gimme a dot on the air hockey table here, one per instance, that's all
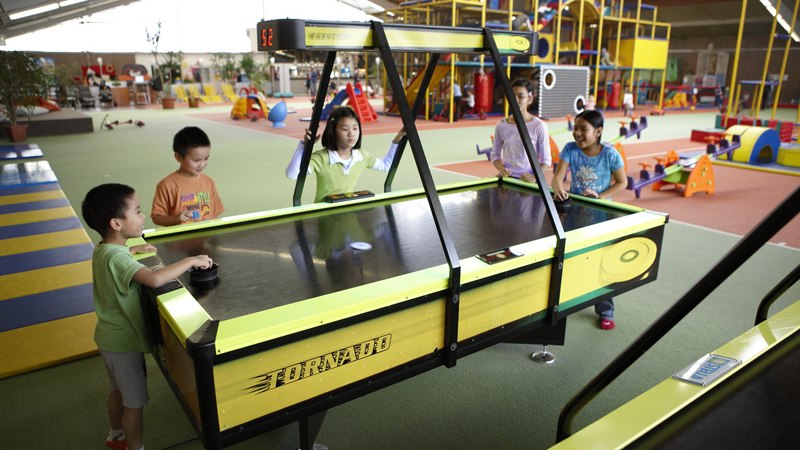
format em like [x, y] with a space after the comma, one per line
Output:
[319, 304]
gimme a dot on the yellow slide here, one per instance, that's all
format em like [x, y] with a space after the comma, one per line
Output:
[411, 91]
[591, 13]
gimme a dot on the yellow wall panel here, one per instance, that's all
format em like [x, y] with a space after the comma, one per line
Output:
[643, 53]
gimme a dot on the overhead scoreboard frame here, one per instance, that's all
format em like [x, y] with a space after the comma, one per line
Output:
[294, 34]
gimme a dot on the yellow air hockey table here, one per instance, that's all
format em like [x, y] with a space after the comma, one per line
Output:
[319, 304]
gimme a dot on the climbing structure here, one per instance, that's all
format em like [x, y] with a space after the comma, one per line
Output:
[621, 42]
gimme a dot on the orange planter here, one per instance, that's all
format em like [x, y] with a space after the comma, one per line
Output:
[17, 133]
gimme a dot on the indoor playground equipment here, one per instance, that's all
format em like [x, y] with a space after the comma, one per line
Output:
[766, 143]
[691, 174]
[277, 115]
[676, 99]
[481, 90]
[439, 72]
[634, 128]
[785, 128]
[618, 43]
[759, 145]
[337, 100]
[627, 129]
[762, 141]
[789, 154]
[356, 97]
[769, 144]
[249, 105]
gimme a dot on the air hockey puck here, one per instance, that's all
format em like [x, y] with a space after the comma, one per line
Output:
[360, 246]
[198, 275]
[562, 205]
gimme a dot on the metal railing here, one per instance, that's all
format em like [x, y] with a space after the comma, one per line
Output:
[729, 263]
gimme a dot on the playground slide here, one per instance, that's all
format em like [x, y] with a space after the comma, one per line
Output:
[545, 20]
[340, 97]
[358, 100]
[411, 91]
[591, 12]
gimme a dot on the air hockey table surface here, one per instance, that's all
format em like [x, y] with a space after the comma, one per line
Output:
[318, 304]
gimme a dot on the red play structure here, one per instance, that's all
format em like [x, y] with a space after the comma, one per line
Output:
[358, 100]
[249, 105]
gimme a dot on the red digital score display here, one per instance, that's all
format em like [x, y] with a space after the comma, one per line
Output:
[266, 37]
[281, 34]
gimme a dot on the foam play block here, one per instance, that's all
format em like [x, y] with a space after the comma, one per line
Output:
[700, 135]
[789, 155]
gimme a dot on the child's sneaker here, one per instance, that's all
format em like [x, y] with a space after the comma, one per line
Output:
[607, 324]
[117, 444]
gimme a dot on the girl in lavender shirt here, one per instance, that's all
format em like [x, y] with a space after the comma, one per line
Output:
[508, 154]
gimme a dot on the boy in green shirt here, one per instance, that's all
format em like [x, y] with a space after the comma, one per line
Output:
[114, 211]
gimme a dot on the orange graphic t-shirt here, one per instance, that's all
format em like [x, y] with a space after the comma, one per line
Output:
[177, 193]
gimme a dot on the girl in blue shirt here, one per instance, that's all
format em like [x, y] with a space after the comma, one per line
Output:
[593, 166]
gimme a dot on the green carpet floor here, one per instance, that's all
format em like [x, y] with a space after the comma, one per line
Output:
[495, 399]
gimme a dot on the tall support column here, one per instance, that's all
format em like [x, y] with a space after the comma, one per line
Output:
[760, 88]
[732, 89]
[785, 59]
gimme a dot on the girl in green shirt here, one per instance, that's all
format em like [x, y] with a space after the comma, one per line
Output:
[341, 160]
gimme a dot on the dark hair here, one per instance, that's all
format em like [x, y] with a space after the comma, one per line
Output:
[593, 116]
[524, 82]
[189, 138]
[103, 203]
[329, 136]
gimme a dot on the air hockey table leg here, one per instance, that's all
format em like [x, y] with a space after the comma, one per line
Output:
[544, 336]
[309, 429]
[543, 356]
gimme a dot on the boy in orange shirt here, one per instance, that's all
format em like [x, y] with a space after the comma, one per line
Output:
[188, 194]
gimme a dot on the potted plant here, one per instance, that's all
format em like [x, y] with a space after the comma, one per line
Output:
[225, 65]
[171, 68]
[22, 80]
[167, 100]
[66, 78]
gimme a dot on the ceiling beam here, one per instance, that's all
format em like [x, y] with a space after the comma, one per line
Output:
[25, 25]
[709, 23]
